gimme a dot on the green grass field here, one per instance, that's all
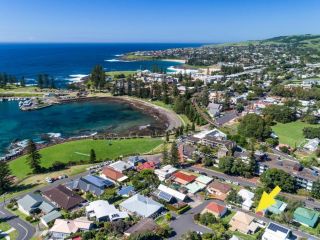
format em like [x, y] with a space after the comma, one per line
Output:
[79, 150]
[126, 73]
[291, 133]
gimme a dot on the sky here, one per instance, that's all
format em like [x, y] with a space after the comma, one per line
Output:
[200, 21]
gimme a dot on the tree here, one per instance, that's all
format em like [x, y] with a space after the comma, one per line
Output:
[174, 160]
[165, 155]
[205, 97]
[33, 157]
[226, 164]
[193, 127]
[93, 156]
[167, 136]
[277, 177]
[279, 113]
[233, 197]
[207, 219]
[254, 126]
[191, 235]
[5, 178]
[315, 192]
[98, 77]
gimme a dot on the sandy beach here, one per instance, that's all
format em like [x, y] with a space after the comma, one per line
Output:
[174, 60]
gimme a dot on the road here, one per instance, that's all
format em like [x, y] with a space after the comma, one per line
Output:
[25, 230]
[245, 183]
[185, 222]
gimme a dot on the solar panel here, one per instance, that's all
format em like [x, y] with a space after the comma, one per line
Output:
[274, 227]
[165, 196]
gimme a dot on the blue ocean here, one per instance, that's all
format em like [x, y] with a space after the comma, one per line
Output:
[68, 62]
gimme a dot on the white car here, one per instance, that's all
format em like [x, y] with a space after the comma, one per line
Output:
[229, 206]
[49, 180]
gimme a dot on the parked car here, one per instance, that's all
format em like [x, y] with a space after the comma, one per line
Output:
[49, 180]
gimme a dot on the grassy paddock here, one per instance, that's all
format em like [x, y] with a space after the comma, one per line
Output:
[79, 150]
[291, 133]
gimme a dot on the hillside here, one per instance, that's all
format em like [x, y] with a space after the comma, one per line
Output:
[302, 41]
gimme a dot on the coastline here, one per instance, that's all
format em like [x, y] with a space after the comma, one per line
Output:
[182, 61]
[166, 119]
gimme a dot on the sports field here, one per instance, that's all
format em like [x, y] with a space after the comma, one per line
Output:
[291, 133]
[80, 150]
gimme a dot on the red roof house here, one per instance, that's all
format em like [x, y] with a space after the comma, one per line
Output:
[146, 165]
[216, 209]
[113, 174]
[183, 178]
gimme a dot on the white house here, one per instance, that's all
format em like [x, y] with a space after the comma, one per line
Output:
[247, 197]
[312, 144]
[174, 193]
[276, 232]
[101, 210]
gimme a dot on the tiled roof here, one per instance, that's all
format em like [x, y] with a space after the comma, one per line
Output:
[112, 173]
[146, 165]
[221, 187]
[184, 177]
[63, 197]
[214, 207]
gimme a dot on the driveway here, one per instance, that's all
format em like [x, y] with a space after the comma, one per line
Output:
[184, 223]
[25, 230]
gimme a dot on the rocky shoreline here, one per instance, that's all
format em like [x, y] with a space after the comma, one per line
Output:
[164, 119]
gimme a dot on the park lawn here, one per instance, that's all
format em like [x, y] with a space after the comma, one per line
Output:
[291, 133]
[126, 73]
[80, 150]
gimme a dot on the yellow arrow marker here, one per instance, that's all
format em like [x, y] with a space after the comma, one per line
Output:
[268, 200]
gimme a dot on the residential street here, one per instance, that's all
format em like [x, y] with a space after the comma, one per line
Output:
[245, 183]
[25, 230]
[185, 222]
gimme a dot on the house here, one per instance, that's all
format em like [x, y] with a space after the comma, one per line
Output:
[141, 206]
[278, 207]
[204, 179]
[195, 187]
[222, 152]
[183, 178]
[216, 209]
[247, 197]
[101, 210]
[214, 109]
[312, 144]
[63, 228]
[186, 152]
[174, 193]
[121, 166]
[90, 183]
[63, 197]
[220, 190]
[50, 217]
[113, 174]
[136, 160]
[276, 232]
[147, 166]
[165, 172]
[144, 225]
[126, 191]
[32, 203]
[243, 223]
[306, 217]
